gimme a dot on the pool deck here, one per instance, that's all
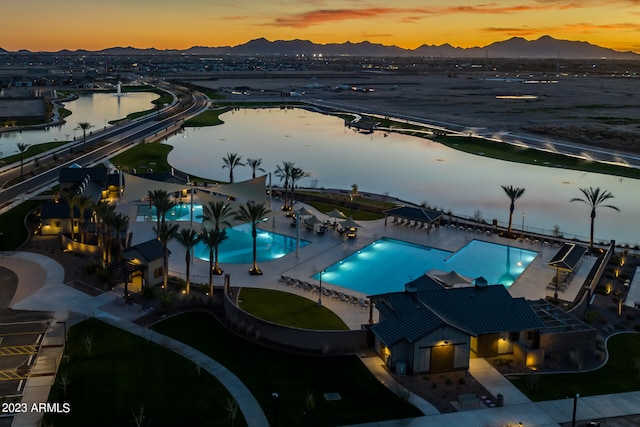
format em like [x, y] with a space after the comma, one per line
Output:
[329, 248]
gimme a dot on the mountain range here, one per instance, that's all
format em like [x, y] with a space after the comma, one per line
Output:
[516, 47]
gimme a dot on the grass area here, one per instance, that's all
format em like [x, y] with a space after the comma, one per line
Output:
[355, 214]
[288, 309]
[33, 150]
[619, 375]
[124, 373]
[206, 118]
[14, 233]
[294, 377]
[144, 156]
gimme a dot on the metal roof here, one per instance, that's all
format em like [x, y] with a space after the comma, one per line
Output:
[149, 250]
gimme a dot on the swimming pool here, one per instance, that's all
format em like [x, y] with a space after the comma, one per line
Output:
[387, 265]
[238, 248]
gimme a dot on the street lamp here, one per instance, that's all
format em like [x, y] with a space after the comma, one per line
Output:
[320, 290]
[275, 397]
[575, 406]
[522, 231]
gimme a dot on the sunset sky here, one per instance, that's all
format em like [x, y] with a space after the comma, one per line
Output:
[171, 24]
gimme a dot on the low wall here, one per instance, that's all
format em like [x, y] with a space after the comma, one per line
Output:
[320, 342]
[80, 248]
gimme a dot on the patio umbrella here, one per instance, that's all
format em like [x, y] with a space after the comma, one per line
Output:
[305, 212]
[313, 220]
[336, 214]
[452, 278]
[349, 223]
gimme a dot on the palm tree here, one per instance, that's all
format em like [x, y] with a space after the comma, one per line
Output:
[102, 210]
[254, 164]
[84, 126]
[284, 173]
[22, 148]
[219, 215]
[253, 213]
[296, 175]
[514, 193]
[188, 238]
[160, 199]
[594, 197]
[83, 203]
[119, 223]
[72, 199]
[231, 161]
[166, 232]
[212, 238]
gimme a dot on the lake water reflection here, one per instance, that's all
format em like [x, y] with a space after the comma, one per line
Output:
[96, 108]
[409, 168]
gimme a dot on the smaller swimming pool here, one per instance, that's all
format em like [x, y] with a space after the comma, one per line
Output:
[238, 248]
[387, 265]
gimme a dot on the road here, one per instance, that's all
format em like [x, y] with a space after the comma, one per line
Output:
[101, 145]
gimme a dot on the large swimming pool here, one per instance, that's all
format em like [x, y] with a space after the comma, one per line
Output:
[387, 265]
[238, 248]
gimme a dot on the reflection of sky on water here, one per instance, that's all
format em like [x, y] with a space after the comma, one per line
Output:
[97, 109]
[409, 168]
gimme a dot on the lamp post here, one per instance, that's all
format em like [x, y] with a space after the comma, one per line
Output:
[320, 290]
[575, 406]
[275, 397]
[522, 230]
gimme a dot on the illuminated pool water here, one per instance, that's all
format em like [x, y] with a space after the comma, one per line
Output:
[238, 248]
[387, 265]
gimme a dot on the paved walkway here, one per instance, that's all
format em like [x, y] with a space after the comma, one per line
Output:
[41, 288]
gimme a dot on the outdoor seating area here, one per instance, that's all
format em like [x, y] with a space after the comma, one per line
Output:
[326, 292]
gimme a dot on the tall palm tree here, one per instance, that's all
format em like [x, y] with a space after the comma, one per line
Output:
[119, 223]
[72, 199]
[254, 164]
[102, 210]
[253, 213]
[284, 173]
[84, 126]
[218, 214]
[166, 232]
[231, 161]
[296, 175]
[514, 193]
[22, 148]
[160, 199]
[212, 238]
[594, 198]
[83, 203]
[188, 238]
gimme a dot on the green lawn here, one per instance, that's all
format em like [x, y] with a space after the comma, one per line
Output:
[289, 310]
[14, 232]
[206, 118]
[33, 150]
[144, 156]
[620, 374]
[294, 377]
[125, 373]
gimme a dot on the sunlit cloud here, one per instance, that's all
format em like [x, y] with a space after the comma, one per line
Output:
[584, 28]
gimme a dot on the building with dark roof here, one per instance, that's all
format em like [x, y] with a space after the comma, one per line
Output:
[144, 264]
[430, 328]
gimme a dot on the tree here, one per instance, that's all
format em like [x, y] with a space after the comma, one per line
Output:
[188, 238]
[72, 199]
[22, 148]
[231, 161]
[284, 173]
[254, 164]
[160, 199]
[102, 210]
[218, 214]
[84, 126]
[514, 193]
[119, 224]
[212, 238]
[83, 203]
[166, 232]
[594, 198]
[296, 175]
[253, 213]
